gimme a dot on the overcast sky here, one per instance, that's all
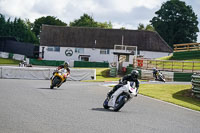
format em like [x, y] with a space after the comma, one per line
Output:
[121, 13]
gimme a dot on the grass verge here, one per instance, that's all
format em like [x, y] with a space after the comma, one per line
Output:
[4, 61]
[177, 94]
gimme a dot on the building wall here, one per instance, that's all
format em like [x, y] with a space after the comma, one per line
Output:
[94, 54]
[152, 55]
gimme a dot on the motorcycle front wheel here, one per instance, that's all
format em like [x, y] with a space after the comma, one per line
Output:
[55, 81]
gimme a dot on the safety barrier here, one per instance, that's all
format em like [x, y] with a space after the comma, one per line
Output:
[45, 62]
[184, 77]
[44, 73]
[90, 64]
[113, 71]
[12, 56]
[196, 85]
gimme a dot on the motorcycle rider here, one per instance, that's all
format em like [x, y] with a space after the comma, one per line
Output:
[133, 76]
[155, 71]
[64, 68]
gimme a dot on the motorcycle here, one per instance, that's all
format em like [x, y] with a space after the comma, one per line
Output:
[120, 96]
[58, 78]
[160, 76]
[23, 63]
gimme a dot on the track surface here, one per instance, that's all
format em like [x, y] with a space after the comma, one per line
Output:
[29, 106]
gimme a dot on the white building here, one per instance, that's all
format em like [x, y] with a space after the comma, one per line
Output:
[97, 45]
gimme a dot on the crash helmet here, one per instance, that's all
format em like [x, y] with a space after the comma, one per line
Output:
[134, 74]
[66, 64]
[154, 69]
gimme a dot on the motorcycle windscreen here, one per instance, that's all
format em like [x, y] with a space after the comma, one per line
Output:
[132, 88]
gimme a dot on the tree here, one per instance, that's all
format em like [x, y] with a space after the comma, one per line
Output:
[88, 21]
[141, 27]
[148, 27]
[176, 22]
[105, 25]
[2, 25]
[84, 21]
[18, 29]
[50, 20]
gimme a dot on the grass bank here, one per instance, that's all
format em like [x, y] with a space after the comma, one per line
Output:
[177, 94]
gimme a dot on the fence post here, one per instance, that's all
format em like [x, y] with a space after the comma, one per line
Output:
[182, 66]
[163, 65]
[156, 64]
[193, 66]
[147, 63]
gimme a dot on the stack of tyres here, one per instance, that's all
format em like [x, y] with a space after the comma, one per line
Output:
[113, 71]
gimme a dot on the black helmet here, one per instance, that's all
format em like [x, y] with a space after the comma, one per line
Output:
[134, 74]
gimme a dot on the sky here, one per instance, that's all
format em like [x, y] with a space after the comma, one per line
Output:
[121, 13]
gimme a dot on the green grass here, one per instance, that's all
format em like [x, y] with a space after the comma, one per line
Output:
[177, 94]
[4, 61]
[165, 58]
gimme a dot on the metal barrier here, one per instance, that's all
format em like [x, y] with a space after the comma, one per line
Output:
[196, 85]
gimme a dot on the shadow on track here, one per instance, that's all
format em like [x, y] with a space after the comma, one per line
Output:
[102, 109]
[50, 89]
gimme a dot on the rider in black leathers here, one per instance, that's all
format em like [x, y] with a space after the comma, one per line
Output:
[130, 77]
[155, 71]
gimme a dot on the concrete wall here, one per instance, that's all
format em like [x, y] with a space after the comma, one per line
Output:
[44, 73]
[150, 54]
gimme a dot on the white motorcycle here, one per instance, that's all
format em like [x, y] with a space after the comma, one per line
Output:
[120, 96]
[160, 76]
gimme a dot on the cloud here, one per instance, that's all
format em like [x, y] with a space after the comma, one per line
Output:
[121, 13]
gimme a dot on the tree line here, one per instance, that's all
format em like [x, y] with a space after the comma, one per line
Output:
[175, 21]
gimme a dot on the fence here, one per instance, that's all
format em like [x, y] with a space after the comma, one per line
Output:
[167, 65]
[186, 47]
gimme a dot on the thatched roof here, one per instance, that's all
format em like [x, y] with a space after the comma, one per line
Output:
[105, 38]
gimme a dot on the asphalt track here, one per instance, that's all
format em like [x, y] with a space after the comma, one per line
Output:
[29, 106]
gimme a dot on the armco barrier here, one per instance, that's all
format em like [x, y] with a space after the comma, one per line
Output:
[45, 62]
[44, 73]
[178, 76]
[196, 85]
[90, 64]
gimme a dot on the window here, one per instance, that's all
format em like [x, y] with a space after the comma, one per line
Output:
[104, 51]
[127, 58]
[49, 48]
[56, 49]
[79, 50]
